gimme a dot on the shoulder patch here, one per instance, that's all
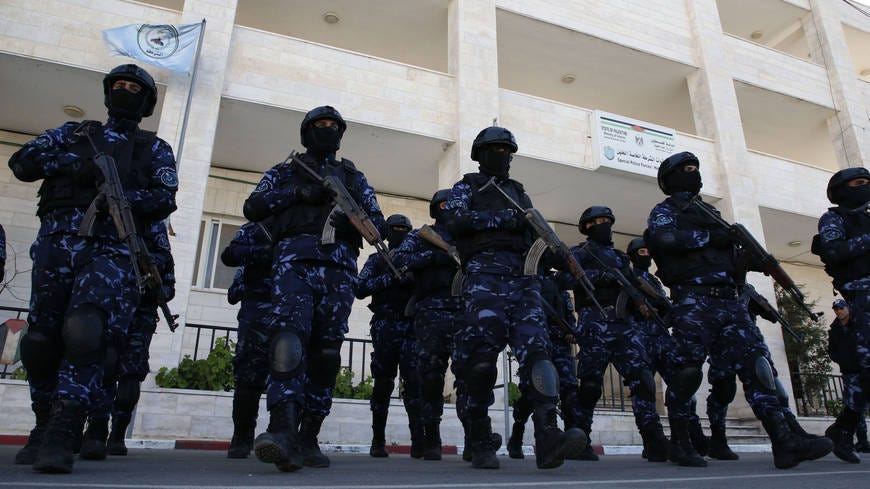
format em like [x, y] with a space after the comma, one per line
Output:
[163, 242]
[263, 186]
[41, 142]
[832, 234]
[663, 220]
[168, 177]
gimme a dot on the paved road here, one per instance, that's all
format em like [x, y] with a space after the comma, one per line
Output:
[177, 469]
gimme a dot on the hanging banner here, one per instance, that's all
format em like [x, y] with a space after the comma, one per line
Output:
[630, 145]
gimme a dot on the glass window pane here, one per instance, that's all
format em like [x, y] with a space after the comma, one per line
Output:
[198, 256]
[223, 275]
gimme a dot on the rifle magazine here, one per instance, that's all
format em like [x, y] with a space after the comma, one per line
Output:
[533, 258]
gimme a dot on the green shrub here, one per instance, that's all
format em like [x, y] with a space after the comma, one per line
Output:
[214, 373]
[513, 393]
[345, 389]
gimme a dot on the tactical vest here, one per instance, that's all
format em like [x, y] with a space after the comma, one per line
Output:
[856, 224]
[434, 280]
[393, 298]
[605, 293]
[306, 218]
[490, 199]
[72, 191]
[677, 268]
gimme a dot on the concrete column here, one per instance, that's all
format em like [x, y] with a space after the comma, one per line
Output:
[717, 116]
[473, 59]
[196, 158]
[849, 127]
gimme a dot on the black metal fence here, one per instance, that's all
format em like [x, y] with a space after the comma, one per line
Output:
[817, 394]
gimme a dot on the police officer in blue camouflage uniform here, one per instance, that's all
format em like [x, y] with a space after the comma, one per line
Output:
[502, 305]
[251, 251]
[438, 315]
[312, 288]
[83, 290]
[606, 338]
[843, 243]
[394, 344]
[120, 392]
[698, 261]
[562, 330]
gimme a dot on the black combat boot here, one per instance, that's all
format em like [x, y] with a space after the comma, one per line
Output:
[795, 427]
[311, 454]
[551, 443]
[379, 442]
[418, 445]
[55, 455]
[27, 454]
[482, 449]
[116, 445]
[279, 445]
[841, 433]
[719, 448]
[681, 450]
[790, 449]
[495, 440]
[432, 441]
[246, 403]
[587, 454]
[862, 446]
[94, 440]
[655, 442]
[699, 440]
[515, 442]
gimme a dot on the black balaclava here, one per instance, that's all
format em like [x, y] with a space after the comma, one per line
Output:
[495, 163]
[124, 104]
[601, 233]
[683, 181]
[323, 140]
[851, 197]
[396, 235]
[641, 262]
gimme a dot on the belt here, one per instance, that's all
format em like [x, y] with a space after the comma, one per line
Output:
[717, 291]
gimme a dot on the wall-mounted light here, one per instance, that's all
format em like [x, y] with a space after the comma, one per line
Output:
[568, 78]
[331, 18]
[73, 111]
[795, 243]
[756, 35]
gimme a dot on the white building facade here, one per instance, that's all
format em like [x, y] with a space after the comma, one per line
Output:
[772, 95]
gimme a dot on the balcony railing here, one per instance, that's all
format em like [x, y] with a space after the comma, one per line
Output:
[817, 394]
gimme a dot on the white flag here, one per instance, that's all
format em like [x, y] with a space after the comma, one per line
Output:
[168, 46]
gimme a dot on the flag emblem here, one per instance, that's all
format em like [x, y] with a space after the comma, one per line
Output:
[158, 41]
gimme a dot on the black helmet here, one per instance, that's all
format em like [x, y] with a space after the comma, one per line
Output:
[317, 113]
[593, 212]
[672, 163]
[398, 220]
[133, 73]
[634, 245]
[841, 178]
[493, 135]
[435, 204]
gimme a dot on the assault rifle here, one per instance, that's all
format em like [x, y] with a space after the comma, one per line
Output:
[548, 239]
[767, 307]
[639, 294]
[760, 259]
[345, 204]
[426, 232]
[111, 197]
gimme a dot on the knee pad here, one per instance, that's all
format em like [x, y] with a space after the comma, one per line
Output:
[382, 389]
[285, 355]
[723, 391]
[763, 372]
[686, 381]
[480, 377]
[40, 355]
[781, 393]
[543, 378]
[326, 362]
[84, 337]
[433, 386]
[127, 395]
[110, 365]
[589, 393]
[646, 386]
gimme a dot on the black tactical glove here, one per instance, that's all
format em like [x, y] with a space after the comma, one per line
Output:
[341, 222]
[441, 258]
[720, 239]
[516, 223]
[313, 193]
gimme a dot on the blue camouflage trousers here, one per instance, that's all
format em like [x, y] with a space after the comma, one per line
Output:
[394, 351]
[132, 361]
[723, 329]
[606, 340]
[251, 359]
[70, 271]
[854, 396]
[500, 310]
[312, 299]
[859, 317]
[435, 330]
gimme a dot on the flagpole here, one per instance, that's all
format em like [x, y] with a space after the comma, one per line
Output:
[189, 96]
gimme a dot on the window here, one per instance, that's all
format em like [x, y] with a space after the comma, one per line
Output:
[215, 234]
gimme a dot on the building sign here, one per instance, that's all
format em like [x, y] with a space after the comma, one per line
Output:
[630, 145]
